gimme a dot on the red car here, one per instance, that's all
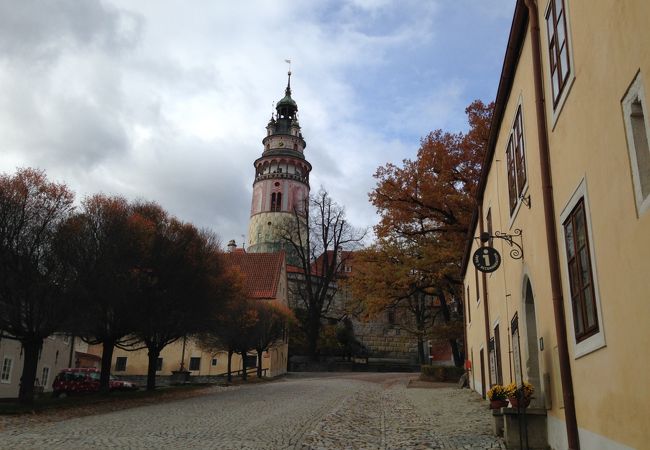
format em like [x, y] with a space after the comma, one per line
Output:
[73, 381]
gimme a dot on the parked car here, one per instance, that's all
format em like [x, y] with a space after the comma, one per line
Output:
[81, 380]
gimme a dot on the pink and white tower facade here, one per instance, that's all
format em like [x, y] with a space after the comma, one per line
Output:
[281, 184]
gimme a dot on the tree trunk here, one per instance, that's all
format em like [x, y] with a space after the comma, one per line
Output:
[244, 375]
[259, 363]
[107, 357]
[229, 375]
[421, 353]
[458, 357]
[312, 337]
[26, 391]
[151, 369]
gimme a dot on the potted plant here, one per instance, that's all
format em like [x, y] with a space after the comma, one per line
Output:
[498, 397]
[520, 396]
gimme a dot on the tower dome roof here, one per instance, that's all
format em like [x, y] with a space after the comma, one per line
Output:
[287, 101]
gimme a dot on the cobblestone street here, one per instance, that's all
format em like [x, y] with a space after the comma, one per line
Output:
[301, 411]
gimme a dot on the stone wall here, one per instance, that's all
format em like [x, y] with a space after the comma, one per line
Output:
[386, 341]
[381, 338]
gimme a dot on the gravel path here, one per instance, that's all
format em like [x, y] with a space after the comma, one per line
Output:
[342, 411]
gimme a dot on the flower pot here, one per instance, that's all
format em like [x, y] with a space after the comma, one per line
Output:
[514, 402]
[496, 404]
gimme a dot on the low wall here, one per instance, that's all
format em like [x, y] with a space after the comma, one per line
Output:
[165, 380]
[302, 364]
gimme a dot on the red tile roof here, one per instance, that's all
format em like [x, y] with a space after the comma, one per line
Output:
[261, 272]
[317, 266]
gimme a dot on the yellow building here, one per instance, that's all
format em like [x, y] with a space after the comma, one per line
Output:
[567, 176]
[265, 279]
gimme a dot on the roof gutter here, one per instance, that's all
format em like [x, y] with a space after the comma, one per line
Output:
[551, 233]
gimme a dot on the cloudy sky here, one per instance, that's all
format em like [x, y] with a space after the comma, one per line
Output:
[168, 100]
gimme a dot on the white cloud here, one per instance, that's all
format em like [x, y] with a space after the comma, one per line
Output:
[168, 100]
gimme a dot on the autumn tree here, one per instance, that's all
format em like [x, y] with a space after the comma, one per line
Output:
[33, 277]
[231, 327]
[427, 203]
[180, 282]
[321, 242]
[105, 243]
[273, 318]
[395, 275]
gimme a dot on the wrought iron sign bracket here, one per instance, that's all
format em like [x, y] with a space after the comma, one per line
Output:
[516, 251]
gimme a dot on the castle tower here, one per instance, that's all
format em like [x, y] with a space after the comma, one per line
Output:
[281, 184]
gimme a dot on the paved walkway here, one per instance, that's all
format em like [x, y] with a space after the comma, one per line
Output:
[324, 411]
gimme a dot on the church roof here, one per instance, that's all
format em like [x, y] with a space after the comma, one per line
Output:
[261, 272]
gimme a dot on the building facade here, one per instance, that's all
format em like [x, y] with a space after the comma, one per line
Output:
[567, 178]
[59, 351]
[265, 279]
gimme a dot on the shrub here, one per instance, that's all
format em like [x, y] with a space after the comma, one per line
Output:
[441, 373]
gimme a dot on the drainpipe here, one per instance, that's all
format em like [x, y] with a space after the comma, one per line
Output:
[486, 312]
[551, 234]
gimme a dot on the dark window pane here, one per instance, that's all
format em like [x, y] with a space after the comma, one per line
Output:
[561, 33]
[570, 244]
[120, 364]
[564, 64]
[550, 29]
[590, 310]
[581, 232]
[585, 273]
[512, 183]
[195, 363]
[577, 316]
[574, 278]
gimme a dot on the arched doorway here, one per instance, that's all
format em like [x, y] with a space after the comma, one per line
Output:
[532, 361]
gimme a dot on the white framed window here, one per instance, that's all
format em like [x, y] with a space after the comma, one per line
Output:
[637, 127]
[516, 163]
[195, 363]
[560, 54]
[582, 297]
[5, 374]
[45, 375]
[120, 363]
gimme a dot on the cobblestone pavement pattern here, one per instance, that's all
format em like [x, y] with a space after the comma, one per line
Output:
[353, 411]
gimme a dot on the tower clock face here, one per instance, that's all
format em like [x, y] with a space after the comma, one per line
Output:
[281, 144]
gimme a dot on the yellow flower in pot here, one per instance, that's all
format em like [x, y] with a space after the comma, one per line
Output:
[497, 396]
[520, 396]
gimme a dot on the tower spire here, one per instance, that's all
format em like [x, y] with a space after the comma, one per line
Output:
[288, 89]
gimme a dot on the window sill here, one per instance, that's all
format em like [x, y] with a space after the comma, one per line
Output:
[515, 212]
[590, 345]
[557, 110]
